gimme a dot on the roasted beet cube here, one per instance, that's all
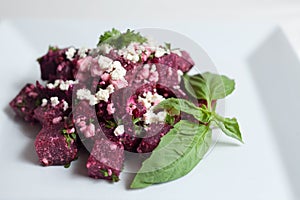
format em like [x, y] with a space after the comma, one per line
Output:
[25, 102]
[106, 160]
[48, 114]
[152, 139]
[47, 93]
[55, 65]
[54, 146]
[183, 63]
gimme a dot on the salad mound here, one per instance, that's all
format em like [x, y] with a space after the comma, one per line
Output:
[127, 94]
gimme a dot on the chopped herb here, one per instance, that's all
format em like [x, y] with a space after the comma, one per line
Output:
[119, 40]
[53, 48]
[115, 178]
[136, 120]
[167, 46]
[110, 124]
[104, 172]
[67, 165]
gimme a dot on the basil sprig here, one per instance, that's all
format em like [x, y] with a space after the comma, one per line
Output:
[182, 148]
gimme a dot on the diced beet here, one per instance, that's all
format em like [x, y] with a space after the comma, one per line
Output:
[54, 65]
[152, 139]
[25, 102]
[51, 115]
[130, 142]
[106, 160]
[47, 93]
[53, 148]
[183, 63]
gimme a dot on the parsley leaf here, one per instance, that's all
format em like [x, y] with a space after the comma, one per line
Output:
[119, 40]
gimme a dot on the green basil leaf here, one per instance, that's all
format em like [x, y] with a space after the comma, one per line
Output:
[177, 154]
[209, 86]
[173, 106]
[230, 127]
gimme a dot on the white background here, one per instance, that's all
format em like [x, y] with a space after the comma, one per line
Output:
[284, 12]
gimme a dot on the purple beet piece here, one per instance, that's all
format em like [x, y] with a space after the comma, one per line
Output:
[183, 63]
[48, 114]
[54, 65]
[25, 102]
[47, 93]
[53, 148]
[152, 139]
[130, 142]
[106, 160]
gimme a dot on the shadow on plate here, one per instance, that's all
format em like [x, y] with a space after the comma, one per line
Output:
[276, 70]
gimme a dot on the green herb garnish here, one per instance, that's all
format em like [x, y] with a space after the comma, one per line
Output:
[104, 172]
[70, 137]
[119, 40]
[182, 148]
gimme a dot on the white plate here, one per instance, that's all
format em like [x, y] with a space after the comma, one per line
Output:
[257, 56]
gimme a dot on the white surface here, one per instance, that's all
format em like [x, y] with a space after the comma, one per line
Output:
[284, 12]
[256, 170]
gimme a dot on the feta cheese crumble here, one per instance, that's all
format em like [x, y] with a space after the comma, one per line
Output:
[66, 105]
[119, 130]
[150, 100]
[44, 102]
[63, 85]
[102, 95]
[105, 63]
[105, 48]
[82, 52]
[178, 52]
[159, 52]
[179, 73]
[54, 101]
[119, 72]
[83, 94]
[70, 53]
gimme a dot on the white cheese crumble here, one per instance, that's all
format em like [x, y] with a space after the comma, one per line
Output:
[93, 100]
[176, 87]
[44, 102]
[102, 95]
[110, 89]
[105, 48]
[82, 52]
[150, 101]
[66, 105]
[153, 68]
[105, 63]
[119, 130]
[54, 101]
[179, 73]
[83, 94]
[70, 53]
[178, 52]
[151, 117]
[119, 72]
[159, 52]
[63, 85]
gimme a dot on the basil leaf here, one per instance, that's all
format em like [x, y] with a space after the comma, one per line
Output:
[178, 152]
[209, 86]
[173, 106]
[119, 40]
[229, 126]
